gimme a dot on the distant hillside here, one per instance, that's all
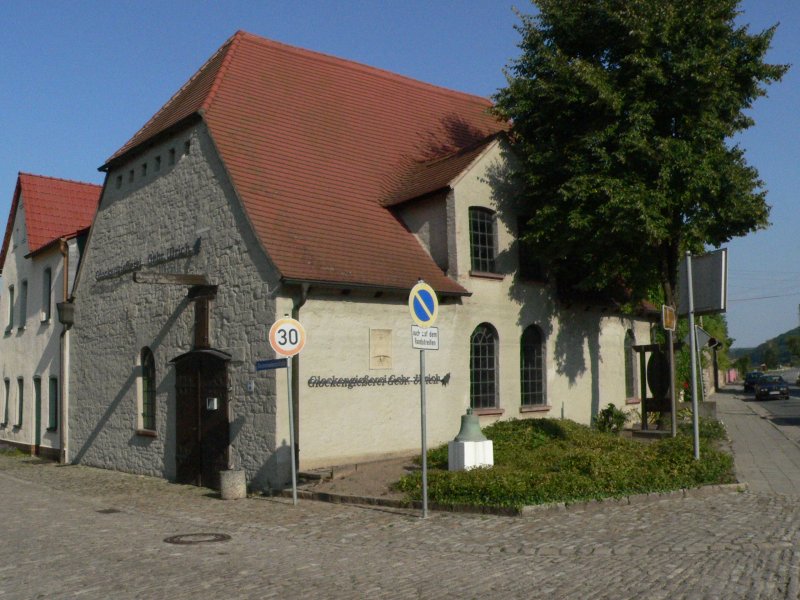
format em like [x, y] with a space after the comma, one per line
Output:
[757, 354]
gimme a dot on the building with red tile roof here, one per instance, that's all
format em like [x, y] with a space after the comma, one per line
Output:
[280, 181]
[46, 228]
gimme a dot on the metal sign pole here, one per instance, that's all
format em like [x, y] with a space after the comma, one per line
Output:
[693, 348]
[672, 385]
[291, 429]
[424, 435]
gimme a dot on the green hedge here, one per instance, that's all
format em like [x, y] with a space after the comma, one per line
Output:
[546, 460]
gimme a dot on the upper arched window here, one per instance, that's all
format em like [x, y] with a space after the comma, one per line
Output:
[532, 371]
[630, 365]
[483, 367]
[482, 239]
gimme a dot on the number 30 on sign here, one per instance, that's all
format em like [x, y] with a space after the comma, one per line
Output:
[287, 337]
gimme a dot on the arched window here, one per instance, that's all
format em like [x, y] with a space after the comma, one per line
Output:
[148, 399]
[483, 246]
[630, 365]
[483, 367]
[532, 367]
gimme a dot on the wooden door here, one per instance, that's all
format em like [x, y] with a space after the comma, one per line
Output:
[201, 430]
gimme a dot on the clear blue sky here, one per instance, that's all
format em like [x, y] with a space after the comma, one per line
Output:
[78, 78]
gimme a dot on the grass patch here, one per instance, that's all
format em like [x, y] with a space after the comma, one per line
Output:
[11, 451]
[546, 460]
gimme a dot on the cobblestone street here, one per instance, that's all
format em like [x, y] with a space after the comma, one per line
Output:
[80, 532]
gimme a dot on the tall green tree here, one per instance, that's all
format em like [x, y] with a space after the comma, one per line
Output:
[622, 116]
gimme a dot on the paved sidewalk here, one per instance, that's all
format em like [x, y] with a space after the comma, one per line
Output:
[766, 452]
[80, 532]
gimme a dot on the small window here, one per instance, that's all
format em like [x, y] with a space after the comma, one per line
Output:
[144, 169]
[23, 303]
[532, 367]
[10, 308]
[158, 163]
[171, 155]
[148, 390]
[119, 181]
[7, 400]
[20, 401]
[130, 176]
[52, 400]
[187, 145]
[47, 294]
[483, 367]
[483, 248]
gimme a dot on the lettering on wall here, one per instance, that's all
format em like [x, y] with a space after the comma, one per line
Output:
[317, 381]
[153, 258]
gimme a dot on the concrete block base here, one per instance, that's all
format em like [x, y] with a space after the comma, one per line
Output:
[233, 484]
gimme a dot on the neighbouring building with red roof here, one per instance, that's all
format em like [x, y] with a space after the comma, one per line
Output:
[279, 181]
[44, 237]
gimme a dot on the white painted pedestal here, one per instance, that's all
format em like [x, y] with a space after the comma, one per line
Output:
[462, 456]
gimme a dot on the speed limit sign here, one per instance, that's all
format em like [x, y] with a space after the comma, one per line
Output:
[287, 336]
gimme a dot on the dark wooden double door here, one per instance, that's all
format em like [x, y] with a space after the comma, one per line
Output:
[201, 425]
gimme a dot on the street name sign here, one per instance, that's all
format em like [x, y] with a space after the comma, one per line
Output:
[275, 363]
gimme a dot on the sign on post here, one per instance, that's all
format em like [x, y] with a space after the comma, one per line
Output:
[424, 307]
[424, 338]
[423, 304]
[287, 337]
[707, 275]
[668, 318]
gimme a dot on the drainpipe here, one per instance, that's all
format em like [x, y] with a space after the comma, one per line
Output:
[297, 304]
[63, 408]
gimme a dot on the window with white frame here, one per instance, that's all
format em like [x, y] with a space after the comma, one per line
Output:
[10, 324]
[47, 294]
[7, 396]
[20, 401]
[23, 303]
[52, 399]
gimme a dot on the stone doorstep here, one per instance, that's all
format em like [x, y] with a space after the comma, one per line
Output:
[326, 473]
[532, 510]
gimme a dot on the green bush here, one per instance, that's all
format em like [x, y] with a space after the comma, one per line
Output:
[546, 460]
[610, 420]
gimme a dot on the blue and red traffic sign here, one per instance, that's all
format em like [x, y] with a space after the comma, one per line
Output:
[423, 304]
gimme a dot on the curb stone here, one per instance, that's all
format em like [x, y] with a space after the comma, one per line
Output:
[530, 510]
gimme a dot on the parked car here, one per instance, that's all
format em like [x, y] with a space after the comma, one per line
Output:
[772, 386]
[751, 379]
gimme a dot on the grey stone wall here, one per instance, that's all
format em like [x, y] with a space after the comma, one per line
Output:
[151, 205]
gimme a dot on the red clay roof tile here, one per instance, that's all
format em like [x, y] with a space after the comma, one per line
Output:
[313, 145]
[54, 209]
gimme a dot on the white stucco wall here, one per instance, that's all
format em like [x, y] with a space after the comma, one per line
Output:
[115, 317]
[584, 348]
[29, 349]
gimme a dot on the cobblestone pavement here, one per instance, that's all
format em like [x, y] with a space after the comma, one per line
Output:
[80, 532]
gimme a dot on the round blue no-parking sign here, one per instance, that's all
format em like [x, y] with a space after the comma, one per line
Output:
[423, 304]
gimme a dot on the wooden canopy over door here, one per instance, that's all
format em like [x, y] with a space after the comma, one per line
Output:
[202, 430]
